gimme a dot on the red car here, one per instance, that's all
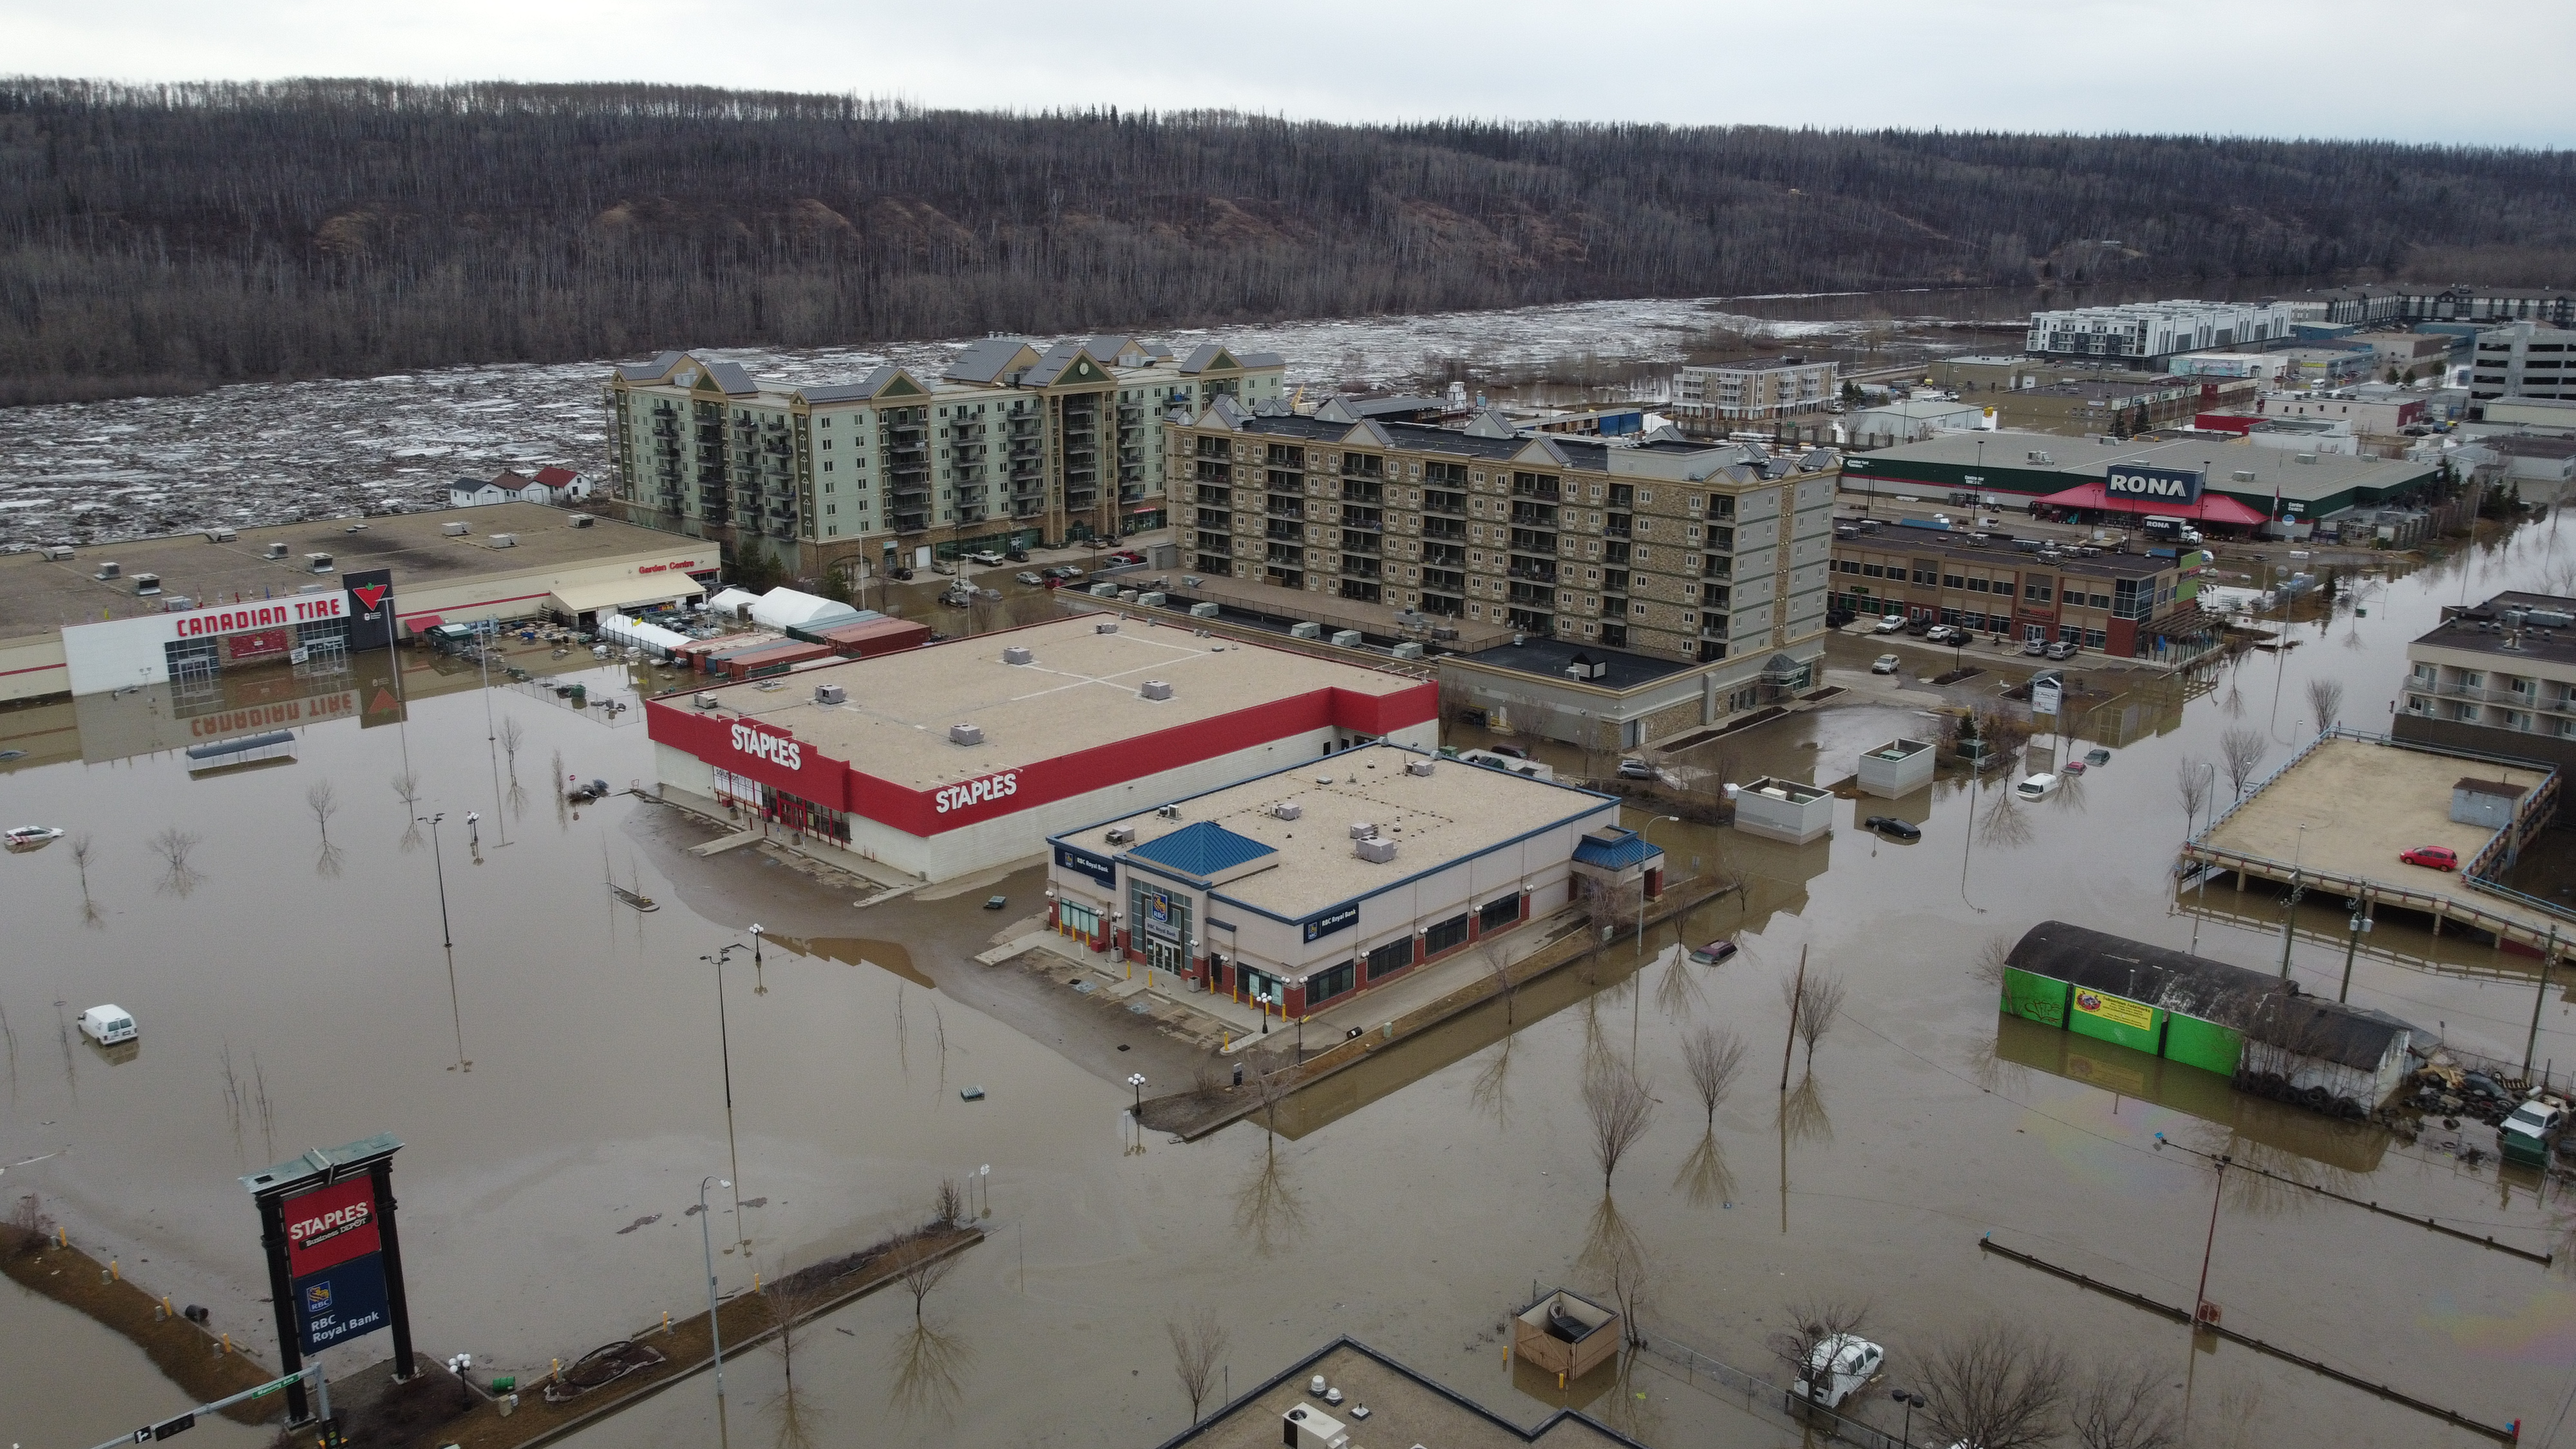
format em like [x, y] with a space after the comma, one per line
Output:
[2432, 857]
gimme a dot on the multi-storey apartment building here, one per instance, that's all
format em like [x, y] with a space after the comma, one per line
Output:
[2146, 333]
[2523, 360]
[1675, 550]
[2498, 678]
[1008, 445]
[1760, 389]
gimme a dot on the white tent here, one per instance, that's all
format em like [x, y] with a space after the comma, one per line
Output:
[788, 609]
[619, 629]
[731, 602]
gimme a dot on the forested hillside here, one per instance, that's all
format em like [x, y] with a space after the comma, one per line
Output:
[167, 237]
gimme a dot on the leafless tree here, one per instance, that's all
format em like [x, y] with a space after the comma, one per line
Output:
[1712, 1056]
[950, 1205]
[2240, 749]
[1793, 994]
[80, 859]
[1809, 1333]
[1198, 1345]
[1269, 1210]
[791, 1299]
[2325, 699]
[924, 1268]
[323, 799]
[928, 1364]
[1496, 957]
[175, 847]
[1491, 1091]
[1621, 1109]
[1611, 907]
[2192, 779]
[2125, 1406]
[1997, 1387]
[1816, 1011]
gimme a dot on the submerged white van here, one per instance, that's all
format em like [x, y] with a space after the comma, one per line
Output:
[2037, 787]
[107, 1025]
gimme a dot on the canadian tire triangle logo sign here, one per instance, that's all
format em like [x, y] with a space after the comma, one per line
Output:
[371, 597]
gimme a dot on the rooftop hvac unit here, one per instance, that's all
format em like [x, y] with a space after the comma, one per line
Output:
[2548, 618]
[583, 520]
[504, 540]
[1362, 830]
[1375, 850]
[1417, 767]
[1288, 810]
[2305, 457]
[1346, 638]
[178, 603]
[1127, 596]
[1443, 633]
[1122, 835]
[1304, 1427]
[1203, 611]
[1105, 626]
[275, 550]
[220, 535]
[1191, 581]
[1307, 630]
[455, 530]
[1156, 689]
[2243, 475]
[109, 571]
[831, 694]
[59, 553]
[319, 563]
[1409, 649]
[1018, 654]
[1152, 601]
[147, 583]
[965, 734]
[704, 700]
[1104, 591]
[1168, 812]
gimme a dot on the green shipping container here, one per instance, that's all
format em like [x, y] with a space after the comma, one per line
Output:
[2035, 998]
[2203, 1044]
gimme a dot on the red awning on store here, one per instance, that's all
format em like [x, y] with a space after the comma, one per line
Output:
[2212, 507]
[423, 621]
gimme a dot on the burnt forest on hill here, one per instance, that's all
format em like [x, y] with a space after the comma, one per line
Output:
[167, 238]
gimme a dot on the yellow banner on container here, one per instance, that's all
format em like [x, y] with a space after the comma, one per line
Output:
[2118, 1011]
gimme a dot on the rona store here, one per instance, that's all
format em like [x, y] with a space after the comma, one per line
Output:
[962, 756]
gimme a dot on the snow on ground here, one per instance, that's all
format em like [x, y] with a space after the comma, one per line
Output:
[278, 452]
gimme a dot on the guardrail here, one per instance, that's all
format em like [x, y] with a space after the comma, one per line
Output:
[2503, 928]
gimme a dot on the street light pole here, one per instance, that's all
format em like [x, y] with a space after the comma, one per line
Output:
[447, 937]
[2290, 918]
[724, 1049]
[1912, 1401]
[707, 1246]
[1137, 1081]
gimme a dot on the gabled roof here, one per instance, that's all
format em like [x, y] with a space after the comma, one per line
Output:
[1369, 433]
[1064, 362]
[556, 475]
[1224, 413]
[1202, 850]
[1336, 410]
[1207, 356]
[653, 371]
[985, 361]
[1543, 449]
[885, 380]
[733, 378]
[1110, 347]
[1487, 423]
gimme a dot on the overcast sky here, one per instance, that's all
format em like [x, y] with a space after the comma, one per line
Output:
[2347, 68]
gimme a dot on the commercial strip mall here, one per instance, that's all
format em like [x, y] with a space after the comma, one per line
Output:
[966, 755]
[181, 610]
[1321, 878]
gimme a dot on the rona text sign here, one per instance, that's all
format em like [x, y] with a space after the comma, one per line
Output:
[2177, 486]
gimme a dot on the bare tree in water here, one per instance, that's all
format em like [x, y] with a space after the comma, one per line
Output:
[2325, 700]
[1997, 1387]
[2192, 779]
[2125, 1406]
[1620, 1109]
[1817, 1009]
[2240, 749]
[1198, 1345]
[1712, 1056]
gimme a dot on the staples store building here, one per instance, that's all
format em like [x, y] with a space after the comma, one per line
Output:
[962, 756]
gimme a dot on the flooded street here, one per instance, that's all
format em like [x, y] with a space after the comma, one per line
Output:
[559, 1088]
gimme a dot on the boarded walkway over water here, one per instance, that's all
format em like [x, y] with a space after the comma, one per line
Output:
[2364, 801]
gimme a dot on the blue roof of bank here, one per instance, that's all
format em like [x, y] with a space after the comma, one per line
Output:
[1201, 850]
[1621, 849]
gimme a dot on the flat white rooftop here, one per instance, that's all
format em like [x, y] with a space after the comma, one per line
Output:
[1457, 811]
[1081, 689]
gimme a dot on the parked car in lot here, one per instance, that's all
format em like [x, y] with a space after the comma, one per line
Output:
[1633, 768]
[2097, 757]
[1715, 952]
[2035, 649]
[1515, 751]
[1893, 828]
[1890, 623]
[2432, 857]
[984, 556]
[2061, 650]
[1030, 577]
[1945, 634]
[1839, 1367]
[2037, 787]
[1065, 572]
[2527, 1135]
[1885, 664]
[1920, 628]
[1016, 555]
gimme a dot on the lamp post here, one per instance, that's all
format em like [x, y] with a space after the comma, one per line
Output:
[707, 1246]
[2204, 1314]
[1912, 1401]
[759, 986]
[1137, 1081]
[447, 937]
[1646, 833]
[724, 1051]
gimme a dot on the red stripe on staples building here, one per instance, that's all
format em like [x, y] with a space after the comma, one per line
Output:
[962, 756]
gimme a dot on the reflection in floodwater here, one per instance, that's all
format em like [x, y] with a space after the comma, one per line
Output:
[2292, 1141]
[1679, 991]
[1490, 1093]
[890, 956]
[1802, 1119]
[9, 1036]
[1610, 1243]
[1705, 1179]
[176, 849]
[1268, 1209]
[929, 1366]
[63, 1034]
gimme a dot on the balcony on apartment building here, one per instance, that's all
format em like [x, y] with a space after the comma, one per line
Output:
[1541, 486]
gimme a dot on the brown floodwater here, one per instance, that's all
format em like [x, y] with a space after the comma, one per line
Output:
[562, 1094]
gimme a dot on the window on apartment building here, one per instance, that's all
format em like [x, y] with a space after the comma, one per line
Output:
[2037, 591]
[1872, 571]
[1954, 581]
[2472, 679]
[2468, 713]
[1979, 586]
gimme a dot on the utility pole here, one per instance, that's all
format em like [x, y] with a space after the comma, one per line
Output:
[2204, 1314]
[2361, 923]
[2539, 998]
[1797, 999]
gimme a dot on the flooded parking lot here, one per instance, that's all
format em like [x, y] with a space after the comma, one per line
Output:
[561, 1093]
